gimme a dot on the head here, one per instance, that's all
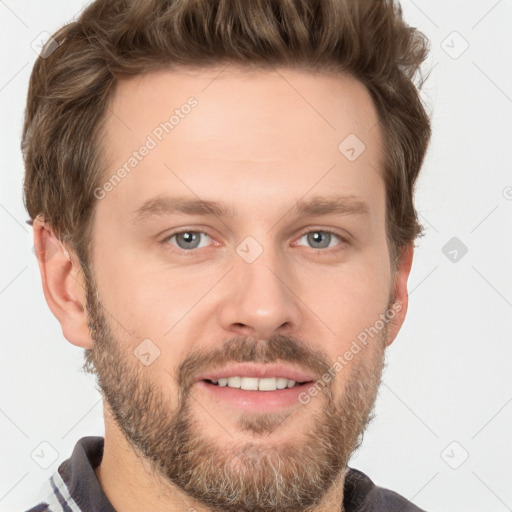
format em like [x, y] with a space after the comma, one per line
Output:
[227, 186]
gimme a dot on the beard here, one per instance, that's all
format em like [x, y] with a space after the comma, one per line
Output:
[260, 475]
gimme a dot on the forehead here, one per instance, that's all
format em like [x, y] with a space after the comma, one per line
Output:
[251, 133]
[230, 95]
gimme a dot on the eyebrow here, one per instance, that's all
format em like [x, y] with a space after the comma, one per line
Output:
[164, 205]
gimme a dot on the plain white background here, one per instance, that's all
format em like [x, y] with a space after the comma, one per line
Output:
[441, 436]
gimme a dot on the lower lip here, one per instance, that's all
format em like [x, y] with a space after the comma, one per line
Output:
[255, 401]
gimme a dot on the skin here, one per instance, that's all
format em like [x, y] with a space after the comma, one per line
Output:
[258, 141]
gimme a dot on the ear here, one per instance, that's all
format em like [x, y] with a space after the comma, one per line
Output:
[399, 307]
[63, 284]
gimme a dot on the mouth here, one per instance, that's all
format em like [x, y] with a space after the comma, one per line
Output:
[255, 384]
[256, 388]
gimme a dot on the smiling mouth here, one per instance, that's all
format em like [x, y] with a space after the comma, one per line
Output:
[255, 384]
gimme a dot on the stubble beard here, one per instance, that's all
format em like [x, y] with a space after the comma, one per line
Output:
[250, 476]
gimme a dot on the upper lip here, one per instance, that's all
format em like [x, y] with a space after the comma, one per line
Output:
[259, 371]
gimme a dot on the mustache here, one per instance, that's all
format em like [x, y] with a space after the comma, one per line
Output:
[288, 349]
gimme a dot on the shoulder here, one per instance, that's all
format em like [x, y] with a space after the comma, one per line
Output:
[362, 495]
[74, 486]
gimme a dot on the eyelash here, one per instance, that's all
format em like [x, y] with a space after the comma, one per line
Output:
[192, 252]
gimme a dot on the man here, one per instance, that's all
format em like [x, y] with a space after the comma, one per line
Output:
[222, 202]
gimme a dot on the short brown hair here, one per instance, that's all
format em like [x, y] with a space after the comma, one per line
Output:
[70, 87]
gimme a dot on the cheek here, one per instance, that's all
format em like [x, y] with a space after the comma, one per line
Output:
[350, 297]
[147, 302]
[149, 306]
[347, 301]
[152, 302]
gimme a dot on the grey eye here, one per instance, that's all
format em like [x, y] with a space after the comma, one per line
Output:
[188, 240]
[319, 239]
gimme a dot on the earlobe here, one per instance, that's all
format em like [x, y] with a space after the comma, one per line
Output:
[63, 284]
[398, 309]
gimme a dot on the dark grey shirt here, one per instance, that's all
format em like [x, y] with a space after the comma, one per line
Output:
[74, 487]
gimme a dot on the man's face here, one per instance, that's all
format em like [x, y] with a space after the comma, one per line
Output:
[183, 300]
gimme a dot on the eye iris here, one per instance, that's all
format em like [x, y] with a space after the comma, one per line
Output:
[317, 236]
[189, 238]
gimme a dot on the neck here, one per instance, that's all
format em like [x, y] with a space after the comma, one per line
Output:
[131, 484]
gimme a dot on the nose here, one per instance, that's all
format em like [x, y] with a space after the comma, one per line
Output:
[260, 299]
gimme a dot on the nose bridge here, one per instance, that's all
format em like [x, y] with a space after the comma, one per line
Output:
[259, 300]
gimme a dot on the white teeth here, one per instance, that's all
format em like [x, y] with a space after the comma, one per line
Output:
[268, 384]
[249, 383]
[235, 382]
[255, 384]
[281, 383]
